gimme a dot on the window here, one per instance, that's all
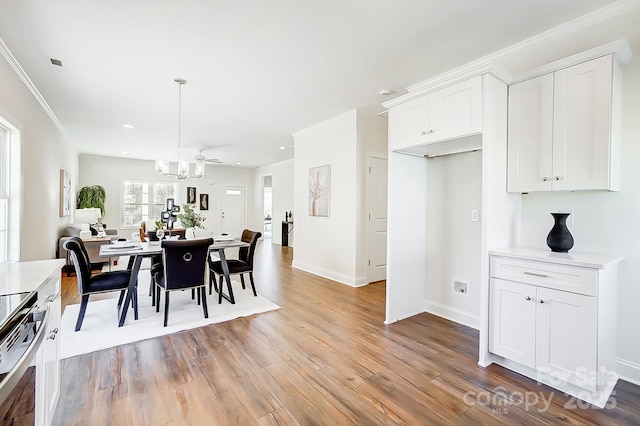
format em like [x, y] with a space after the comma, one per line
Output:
[4, 194]
[145, 200]
[9, 192]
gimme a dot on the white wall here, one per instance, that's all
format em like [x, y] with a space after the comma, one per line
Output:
[326, 246]
[110, 172]
[282, 187]
[342, 142]
[44, 152]
[605, 222]
[453, 241]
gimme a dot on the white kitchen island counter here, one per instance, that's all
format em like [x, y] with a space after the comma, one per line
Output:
[20, 277]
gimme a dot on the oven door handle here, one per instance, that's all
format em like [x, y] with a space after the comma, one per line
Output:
[13, 377]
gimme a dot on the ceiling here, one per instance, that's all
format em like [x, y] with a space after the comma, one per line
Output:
[257, 71]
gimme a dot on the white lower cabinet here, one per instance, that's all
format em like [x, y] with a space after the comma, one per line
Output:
[48, 357]
[555, 321]
[552, 331]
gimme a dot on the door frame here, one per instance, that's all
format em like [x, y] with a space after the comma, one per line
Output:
[368, 227]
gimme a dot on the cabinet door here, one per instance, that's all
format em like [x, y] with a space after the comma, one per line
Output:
[582, 125]
[408, 124]
[456, 111]
[512, 321]
[566, 345]
[530, 135]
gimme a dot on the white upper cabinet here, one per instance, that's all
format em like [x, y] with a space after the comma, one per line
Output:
[408, 124]
[530, 134]
[448, 113]
[561, 132]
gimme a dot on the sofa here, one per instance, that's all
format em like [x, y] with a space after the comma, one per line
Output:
[93, 247]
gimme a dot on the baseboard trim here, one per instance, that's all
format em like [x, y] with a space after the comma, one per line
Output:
[452, 314]
[628, 371]
[342, 279]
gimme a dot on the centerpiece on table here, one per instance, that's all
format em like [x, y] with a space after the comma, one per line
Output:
[191, 220]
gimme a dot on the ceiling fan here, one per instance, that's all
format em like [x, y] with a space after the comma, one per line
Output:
[201, 157]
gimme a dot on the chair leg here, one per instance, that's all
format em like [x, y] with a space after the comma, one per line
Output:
[166, 307]
[158, 299]
[83, 309]
[121, 298]
[253, 285]
[242, 281]
[203, 290]
[152, 291]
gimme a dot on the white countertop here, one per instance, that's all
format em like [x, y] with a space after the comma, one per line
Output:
[573, 258]
[19, 277]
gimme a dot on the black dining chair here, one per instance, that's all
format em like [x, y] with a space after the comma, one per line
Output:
[184, 267]
[242, 265]
[99, 283]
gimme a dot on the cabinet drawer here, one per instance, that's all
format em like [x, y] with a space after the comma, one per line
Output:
[48, 288]
[560, 277]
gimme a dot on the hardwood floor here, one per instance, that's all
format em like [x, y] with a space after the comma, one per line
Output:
[324, 358]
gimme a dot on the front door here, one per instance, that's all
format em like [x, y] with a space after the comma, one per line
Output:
[233, 210]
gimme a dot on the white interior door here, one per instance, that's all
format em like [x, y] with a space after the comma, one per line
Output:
[233, 212]
[377, 223]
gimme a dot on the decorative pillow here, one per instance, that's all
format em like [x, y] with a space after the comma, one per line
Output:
[95, 229]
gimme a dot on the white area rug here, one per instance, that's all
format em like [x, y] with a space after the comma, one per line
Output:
[100, 327]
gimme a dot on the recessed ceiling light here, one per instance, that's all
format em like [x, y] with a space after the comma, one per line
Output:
[123, 152]
[128, 126]
[385, 92]
[56, 62]
[239, 163]
[282, 147]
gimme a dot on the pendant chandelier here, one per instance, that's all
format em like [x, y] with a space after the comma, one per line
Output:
[162, 166]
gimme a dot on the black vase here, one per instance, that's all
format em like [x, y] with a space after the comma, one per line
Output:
[560, 239]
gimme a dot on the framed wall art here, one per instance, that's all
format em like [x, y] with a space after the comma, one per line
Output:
[191, 195]
[204, 201]
[65, 193]
[319, 190]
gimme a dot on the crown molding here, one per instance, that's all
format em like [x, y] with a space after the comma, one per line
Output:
[455, 75]
[619, 49]
[13, 62]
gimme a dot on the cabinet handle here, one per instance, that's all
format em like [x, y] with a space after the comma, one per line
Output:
[431, 131]
[423, 133]
[558, 178]
[527, 298]
[544, 178]
[536, 275]
[52, 336]
[541, 301]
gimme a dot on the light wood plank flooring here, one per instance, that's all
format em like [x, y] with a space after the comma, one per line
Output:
[325, 358]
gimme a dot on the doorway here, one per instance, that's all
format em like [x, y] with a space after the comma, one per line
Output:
[233, 210]
[267, 206]
[377, 219]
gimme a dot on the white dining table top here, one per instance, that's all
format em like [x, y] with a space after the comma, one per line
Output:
[130, 248]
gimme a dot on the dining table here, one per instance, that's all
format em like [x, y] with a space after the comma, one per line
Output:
[140, 250]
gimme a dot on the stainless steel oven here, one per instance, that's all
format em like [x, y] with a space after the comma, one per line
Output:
[22, 326]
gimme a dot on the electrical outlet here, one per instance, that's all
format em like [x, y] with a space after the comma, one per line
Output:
[460, 286]
[475, 215]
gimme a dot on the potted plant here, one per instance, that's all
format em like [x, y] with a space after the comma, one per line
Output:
[190, 219]
[92, 196]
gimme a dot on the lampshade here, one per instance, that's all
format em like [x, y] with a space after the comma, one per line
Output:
[89, 215]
